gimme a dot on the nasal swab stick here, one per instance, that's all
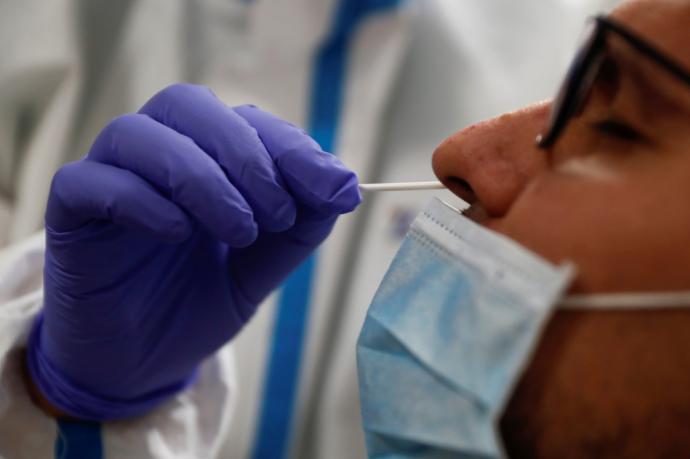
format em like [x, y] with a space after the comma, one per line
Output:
[401, 186]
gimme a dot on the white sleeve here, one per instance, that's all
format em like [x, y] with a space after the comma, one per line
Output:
[24, 430]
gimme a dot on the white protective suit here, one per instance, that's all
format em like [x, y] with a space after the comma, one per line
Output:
[379, 82]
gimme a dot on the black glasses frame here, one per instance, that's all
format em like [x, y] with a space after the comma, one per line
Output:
[584, 68]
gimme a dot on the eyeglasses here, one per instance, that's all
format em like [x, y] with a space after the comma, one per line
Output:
[585, 67]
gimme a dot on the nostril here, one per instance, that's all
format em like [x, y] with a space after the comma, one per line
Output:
[462, 188]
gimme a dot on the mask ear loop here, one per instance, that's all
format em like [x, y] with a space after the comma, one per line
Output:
[627, 300]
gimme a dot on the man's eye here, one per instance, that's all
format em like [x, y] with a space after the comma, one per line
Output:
[617, 129]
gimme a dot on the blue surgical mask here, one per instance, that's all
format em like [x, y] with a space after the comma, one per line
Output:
[447, 336]
[450, 331]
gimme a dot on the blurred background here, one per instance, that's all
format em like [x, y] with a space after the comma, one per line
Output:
[377, 82]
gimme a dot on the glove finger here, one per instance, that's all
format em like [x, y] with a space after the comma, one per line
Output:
[85, 190]
[177, 167]
[316, 178]
[257, 270]
[197, 113]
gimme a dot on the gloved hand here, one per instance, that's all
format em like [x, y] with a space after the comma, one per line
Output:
[165, 238]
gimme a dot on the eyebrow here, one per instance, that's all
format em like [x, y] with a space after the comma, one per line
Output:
[647, 49]
[628, 48]
[670, 92]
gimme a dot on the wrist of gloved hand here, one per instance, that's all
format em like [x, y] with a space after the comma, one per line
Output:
[65, 398]
[36, 395]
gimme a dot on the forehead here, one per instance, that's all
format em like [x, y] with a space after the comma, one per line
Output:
[665, 23]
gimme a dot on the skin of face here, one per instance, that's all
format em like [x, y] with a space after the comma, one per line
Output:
[613, 196]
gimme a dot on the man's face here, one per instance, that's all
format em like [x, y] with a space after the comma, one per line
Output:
[613, 193]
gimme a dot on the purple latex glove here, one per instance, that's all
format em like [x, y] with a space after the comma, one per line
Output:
[165, 238]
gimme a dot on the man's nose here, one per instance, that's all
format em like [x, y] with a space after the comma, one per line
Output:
[491, 162]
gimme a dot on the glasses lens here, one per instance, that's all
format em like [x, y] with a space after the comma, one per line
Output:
[568, 94]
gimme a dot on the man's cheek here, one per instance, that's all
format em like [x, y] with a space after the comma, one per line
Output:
[539, 225]
[557, 229]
